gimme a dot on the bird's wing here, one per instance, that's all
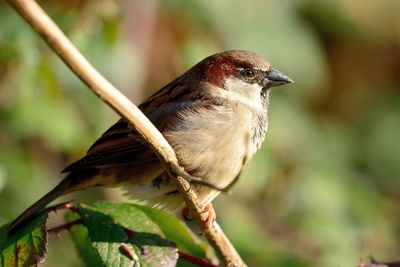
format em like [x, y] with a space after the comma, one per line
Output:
[118, 146]
[121, 146]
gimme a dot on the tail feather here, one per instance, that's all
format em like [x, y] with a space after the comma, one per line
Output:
[67, 185]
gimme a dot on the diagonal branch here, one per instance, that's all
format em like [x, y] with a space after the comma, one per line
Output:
[48, 30]
[195, 260]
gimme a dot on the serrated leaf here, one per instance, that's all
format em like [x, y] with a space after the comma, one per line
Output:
[123, 235]
[27, 246]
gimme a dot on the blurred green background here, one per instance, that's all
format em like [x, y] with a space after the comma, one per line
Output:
[324, 189]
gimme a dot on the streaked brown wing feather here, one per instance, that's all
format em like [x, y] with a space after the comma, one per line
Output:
[112, 153]
[121, 146]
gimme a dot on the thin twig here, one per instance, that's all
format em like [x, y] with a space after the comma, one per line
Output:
[65, 205]
[54, 37]
[195, 260]
[66, 226]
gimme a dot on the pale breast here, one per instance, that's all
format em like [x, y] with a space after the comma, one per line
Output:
[213, 143]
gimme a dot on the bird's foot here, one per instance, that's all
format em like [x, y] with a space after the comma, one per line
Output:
[185, 212]
[211, 215]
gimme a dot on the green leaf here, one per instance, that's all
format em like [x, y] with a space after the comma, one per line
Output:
[26, 247]
[177, 231]
[80, 237]
[123, 235]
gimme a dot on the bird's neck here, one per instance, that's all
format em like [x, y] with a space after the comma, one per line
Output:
[262, 120]
[260, 128]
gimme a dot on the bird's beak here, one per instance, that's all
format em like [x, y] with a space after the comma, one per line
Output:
[275, 78]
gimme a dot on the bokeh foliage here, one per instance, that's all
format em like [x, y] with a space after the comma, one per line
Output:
[323, 191]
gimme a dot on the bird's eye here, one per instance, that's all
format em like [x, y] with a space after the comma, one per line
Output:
[248, 73]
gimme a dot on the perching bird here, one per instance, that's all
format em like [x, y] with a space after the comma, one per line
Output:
[215, 118]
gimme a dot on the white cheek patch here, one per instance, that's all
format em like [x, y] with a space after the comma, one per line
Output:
[249, 94]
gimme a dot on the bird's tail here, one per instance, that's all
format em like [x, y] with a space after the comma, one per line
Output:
[69, 184]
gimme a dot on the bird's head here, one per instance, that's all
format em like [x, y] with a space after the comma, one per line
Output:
[241, 74]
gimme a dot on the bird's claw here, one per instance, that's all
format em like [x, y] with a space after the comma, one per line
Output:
[211, 216]
[210, 219]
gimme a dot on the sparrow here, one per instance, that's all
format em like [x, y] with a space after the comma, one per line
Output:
[215, 118]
